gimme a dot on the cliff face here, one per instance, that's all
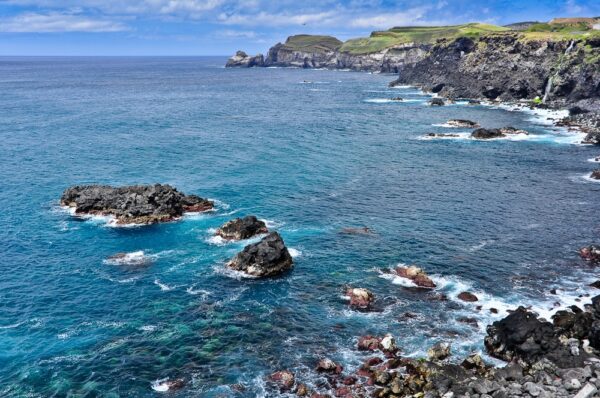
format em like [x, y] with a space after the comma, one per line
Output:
[507, 67]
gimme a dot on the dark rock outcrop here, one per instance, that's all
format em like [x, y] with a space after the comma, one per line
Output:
[462, 123]
[595, 174]
[467, 297]
[592, 138]
[242, 228]
[243, 60]
[269, 257]
[486, 134]
[137, 204]
[437, 102]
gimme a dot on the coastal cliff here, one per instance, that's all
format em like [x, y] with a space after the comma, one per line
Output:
[556, 63]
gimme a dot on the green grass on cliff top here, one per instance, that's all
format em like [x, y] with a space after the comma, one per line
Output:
[312, 43]
[416, 34]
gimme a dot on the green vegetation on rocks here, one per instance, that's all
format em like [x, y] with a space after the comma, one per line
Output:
[312, 43]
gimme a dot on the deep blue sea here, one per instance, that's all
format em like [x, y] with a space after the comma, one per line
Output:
[312, 152]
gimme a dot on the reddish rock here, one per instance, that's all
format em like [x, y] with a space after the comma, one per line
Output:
[468, 297]
[344, 392]
[368, 343]
[360, 298]
[590, 253]
[326, 365]
[416, 275]
[284, 379]
[374, 361]
[349, 381]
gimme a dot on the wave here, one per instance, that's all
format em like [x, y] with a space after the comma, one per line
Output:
[594, 160]
[295, 253]
[572, 138]
[164, 287]
[588, 178]
[389, 101]
[132, 258]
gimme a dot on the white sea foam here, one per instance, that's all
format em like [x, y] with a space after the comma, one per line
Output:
[133, 258]
[164, 287]
[148, 328]
[295, 253]
[389, 101]
[455, 136]
[231, 273]
[161, 385]
[272, 223]
[588, 178]
[594, 160]
[216, 240]
[196, 292]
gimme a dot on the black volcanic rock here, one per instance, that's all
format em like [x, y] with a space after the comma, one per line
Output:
[269, 257]
[486, 134]
[242, 228]
[137, 204]
[437, 102]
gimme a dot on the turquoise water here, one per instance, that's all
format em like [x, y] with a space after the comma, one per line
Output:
[310, 151]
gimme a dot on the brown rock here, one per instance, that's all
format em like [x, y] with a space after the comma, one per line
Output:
[468, 297]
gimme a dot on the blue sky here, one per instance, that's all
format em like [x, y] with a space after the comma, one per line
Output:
[219, 27]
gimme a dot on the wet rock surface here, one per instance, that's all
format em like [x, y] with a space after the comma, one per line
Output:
[137, 204]
[242, 228]
[269, 257]
[416, 275]
[360, 298]
[462, 123]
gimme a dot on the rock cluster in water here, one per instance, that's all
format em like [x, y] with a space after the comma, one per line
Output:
[462, 123]
[136, 204]
[486, 134]
[416, 275]
[242, 228]
[266, 258]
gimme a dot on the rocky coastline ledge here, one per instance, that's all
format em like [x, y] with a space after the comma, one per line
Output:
[136, 204]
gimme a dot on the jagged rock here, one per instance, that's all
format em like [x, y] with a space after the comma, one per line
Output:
[587, 391]
[269, 257]
[473, 361]
[512, 130]
[242, 228]
[368, 343]
[593, 138]
[243, 60]
[326, 365]
[486, 134]
[523, 337]
[138, 204]
[439, 352]
[284, 379]
[590, 253]
[595, 174]
[468, 297]
[462, 123]
[360, 298]
[595, 284]
[416, 275]
[397, 99]
[437, 102]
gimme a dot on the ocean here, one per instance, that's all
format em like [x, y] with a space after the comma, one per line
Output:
[311, 152]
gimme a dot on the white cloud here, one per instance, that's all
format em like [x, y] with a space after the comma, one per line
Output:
[236, 34]
[57, 22]
[267, 19]
[574, 9]
[386, 21]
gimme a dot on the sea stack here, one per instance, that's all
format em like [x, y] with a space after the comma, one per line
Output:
[266, 258]
[242, 228]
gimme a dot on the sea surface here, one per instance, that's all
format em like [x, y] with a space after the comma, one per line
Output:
[310, 151]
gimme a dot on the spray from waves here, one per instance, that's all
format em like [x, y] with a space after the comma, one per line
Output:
[558, 137]
[389, 101]
[164, 287]
[133, 258]
[231, 273]
[295, 253]
[271, 224]
[594, 160]
[216, 240]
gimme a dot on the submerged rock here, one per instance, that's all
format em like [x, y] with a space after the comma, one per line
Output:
[437, 102]
[462, 123]
[590, 253]
[397, 99]
[442, 135]
[416, 275]
[242, 228]
[357, 231]
[137, 204]
[511, 130]
[269, 257]
[360, 298]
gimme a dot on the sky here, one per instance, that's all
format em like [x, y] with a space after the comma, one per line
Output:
[220, 27]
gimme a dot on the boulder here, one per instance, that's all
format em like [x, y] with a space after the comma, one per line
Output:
[462, 123]
[437, 102]
[439, 352]
[242, 228]
[368, 343]
[137, 204]
[474, 102]
[468, 297]
[416, 275]
[592, 138]
[590, 253]
[326, 365]
[360, 298]
[284, 379]
[243, 60]
[511, 130]
[486, 134]
[269, 257]
[595, 174]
